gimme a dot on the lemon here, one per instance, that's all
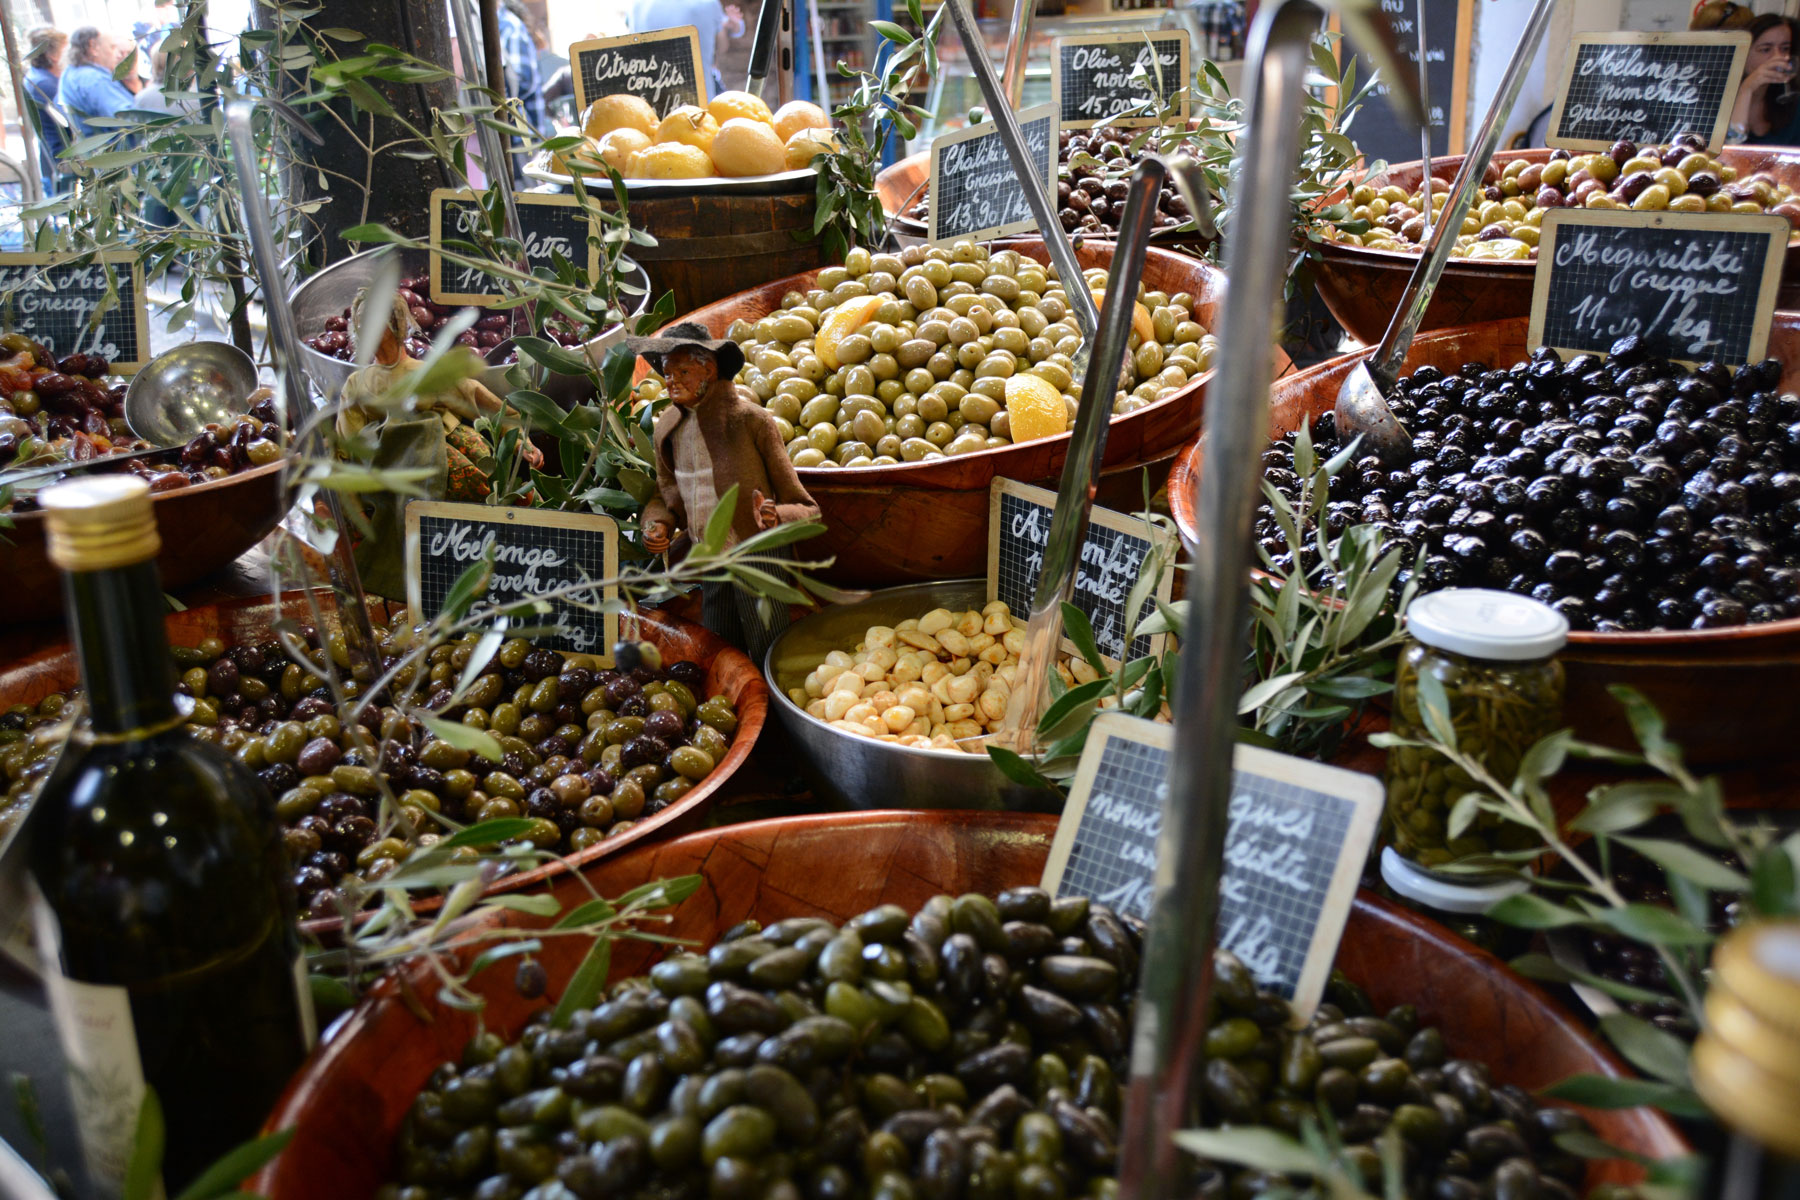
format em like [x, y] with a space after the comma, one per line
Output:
[1141, 324]
[691, 126]
[618, 112]
[617, 147]
[669, 160]
[1034, 409]
[747, 147]
[807, 144]
[796, 115]
[840, 323]
[727, 105]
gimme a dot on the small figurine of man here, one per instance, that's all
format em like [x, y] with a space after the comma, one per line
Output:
[712, 436]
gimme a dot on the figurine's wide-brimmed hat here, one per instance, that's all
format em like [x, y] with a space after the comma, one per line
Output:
[688, 336]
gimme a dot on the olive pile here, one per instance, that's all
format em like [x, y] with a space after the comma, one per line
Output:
[1092, 168]
[898, 358]
[587, 753]
[490, 329]
[1679, 177]
[972, 1051]
[1628, 492]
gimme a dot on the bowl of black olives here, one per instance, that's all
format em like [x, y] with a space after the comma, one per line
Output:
[1657, 506]
[884, 1004]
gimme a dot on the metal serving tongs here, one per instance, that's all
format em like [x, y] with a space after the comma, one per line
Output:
[1362, 408]
[762, 47]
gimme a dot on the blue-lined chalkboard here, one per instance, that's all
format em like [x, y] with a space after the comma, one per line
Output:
[57, 302]
[1381, 132]
[1092, 78]
[974, 192]
[1647, 87]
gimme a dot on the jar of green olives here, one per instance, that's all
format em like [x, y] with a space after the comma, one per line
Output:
[1455, 903]
[1495, 655]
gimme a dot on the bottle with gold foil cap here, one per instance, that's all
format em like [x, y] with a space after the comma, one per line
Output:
[1746, 1065]
[161, 899]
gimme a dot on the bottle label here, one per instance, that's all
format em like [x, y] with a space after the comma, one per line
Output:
[106, 1077]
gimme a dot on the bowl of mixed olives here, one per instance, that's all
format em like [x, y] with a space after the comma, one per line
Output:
[596, 758]
[903, 384]
[1656, 505]
[871, 1005]
[1361, 275]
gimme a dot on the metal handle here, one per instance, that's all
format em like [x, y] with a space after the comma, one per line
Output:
[1425, 125]
[1385, 362]
[1176, 968]
[1087, 450]
[1062, 253]
[1190, 181]
[495, 160]
[762, 46]
[284, 353]
[1018, 34]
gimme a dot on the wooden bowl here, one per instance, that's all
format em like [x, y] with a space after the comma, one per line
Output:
[345, 1106]
[1728, 694]
[903, 183]
[728, 672]
[923, 521]
[204, 526]
[1362, 287]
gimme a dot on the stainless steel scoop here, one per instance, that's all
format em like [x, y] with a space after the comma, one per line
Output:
[181, 391]
[1362, 408]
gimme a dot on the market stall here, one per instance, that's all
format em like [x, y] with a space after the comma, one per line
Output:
[712, 667]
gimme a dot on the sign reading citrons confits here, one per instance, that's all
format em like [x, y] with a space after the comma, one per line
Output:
[1647, 87]
[662, 68]
[550, 224]
[1095, 79]
[1692, 286]
[974, 192]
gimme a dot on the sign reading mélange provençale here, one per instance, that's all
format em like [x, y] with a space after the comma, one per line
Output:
[1692, 286]
[661, 67]
[534, 552]
[1091, 78]
[54, 302]
[1299, 834]
[1647, 87]
[550, 224]
[1113, 556]
[974, 193]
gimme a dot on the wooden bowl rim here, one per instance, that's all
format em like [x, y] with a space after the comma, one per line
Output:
[35, 517]
[1187, 468]
[899, 473]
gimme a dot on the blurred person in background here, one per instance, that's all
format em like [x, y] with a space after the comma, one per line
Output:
[87, 89]
[1767, 110]
[45, 58]
[715, 22]
[519, 52]
[149, 30]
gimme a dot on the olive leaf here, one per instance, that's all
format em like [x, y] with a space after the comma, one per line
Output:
[237, 1165]
[585, 985]
[1687, 862]
[143, 1168]
[1600, 1091]
[463, 737]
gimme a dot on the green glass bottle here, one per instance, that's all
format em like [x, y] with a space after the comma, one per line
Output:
[163, 909]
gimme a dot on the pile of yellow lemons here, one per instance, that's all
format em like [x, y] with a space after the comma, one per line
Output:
[734, 135]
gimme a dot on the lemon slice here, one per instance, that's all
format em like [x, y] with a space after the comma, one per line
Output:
[840, 323]
[1034, 409]
[1140, 318]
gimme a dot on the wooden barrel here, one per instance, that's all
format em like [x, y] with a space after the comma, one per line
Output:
[715, 243]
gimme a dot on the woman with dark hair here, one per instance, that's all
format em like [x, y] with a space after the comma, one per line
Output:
[1767, 111]
[46, 61]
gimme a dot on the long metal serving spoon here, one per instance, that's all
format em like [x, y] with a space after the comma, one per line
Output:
[1362, 407]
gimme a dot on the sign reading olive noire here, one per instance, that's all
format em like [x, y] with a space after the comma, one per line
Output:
[1094, 80]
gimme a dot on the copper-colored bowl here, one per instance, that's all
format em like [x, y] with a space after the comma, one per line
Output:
[345, 1106]
[902, 184]
[1728, 694]
[204, 527]
[1362, 287]
[728, 672]
[928, 520]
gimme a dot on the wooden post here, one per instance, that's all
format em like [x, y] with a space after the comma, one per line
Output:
[15, 63]
[490, 42]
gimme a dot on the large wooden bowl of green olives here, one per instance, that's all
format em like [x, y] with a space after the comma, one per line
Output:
[599, 759]
[884, 1005]
[1657, 507]
[898, 382]
[1361, 276]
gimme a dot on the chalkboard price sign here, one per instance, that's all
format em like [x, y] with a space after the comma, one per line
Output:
[974, 193]
[53, 301]
[1694, 287]
[1381, 132]
[661, 67]
[1091, 77]
[1299, 834]
[1112, 558]
[534, 552]
[550, 224]
[1647, 87]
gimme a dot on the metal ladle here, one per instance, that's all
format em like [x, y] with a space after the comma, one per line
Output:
[1362, 407]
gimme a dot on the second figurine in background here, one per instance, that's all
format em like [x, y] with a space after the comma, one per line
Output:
[715, 435]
